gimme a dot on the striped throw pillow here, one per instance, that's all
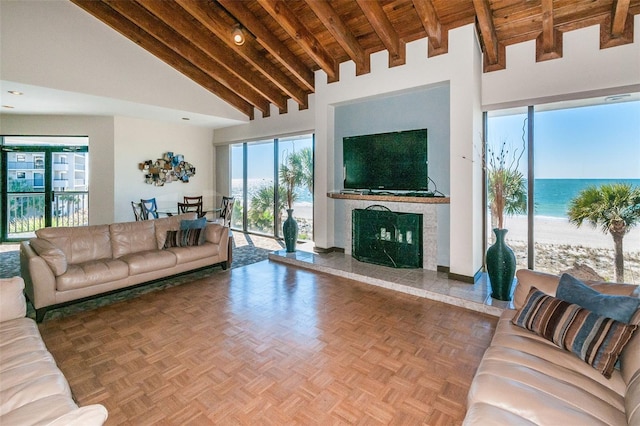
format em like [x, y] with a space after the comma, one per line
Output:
[595, 339]
[183, 238]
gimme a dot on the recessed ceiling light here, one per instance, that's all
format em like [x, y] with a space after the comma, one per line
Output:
[186, 118]
[16, 92]
[8, 106]
[616, 97]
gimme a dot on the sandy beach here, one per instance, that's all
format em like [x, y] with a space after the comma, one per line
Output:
[550, 230]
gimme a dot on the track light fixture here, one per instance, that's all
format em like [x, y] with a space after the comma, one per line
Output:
[237, 35]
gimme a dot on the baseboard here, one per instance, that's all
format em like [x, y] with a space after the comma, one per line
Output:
[466, 278]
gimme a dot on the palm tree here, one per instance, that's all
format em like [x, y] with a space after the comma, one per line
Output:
[296, 170]
[261, 211]
[615, 208]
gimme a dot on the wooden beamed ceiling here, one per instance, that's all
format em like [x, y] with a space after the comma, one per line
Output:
[286, 41]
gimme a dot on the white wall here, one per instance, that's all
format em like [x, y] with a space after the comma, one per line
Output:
[116, 146]
[137, 140]
[56, 44]
[584, 71]
[100, 131]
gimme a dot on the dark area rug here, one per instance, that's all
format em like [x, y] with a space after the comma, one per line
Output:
[242, 256]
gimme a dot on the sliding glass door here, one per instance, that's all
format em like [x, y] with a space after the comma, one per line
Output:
[260, 191]
[42, 185]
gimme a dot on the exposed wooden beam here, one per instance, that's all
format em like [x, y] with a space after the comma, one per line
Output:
[494, 54]
[134, 33]
[338, 29]
[376, 16]
[270, 42]
[438, 39]
[292, 25]
[213, 47]
[211, 15]
[549, 42]
[620, 13]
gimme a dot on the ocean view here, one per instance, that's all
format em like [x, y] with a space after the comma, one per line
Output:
[552, 196]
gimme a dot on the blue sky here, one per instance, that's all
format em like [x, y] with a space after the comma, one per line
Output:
[601, 141]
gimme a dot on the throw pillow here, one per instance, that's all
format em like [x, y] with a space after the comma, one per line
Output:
[190, 224]
[595, 339]
[620, 308]
[196, 223]
[183, 238]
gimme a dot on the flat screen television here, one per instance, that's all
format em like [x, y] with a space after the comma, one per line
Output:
[386, 161]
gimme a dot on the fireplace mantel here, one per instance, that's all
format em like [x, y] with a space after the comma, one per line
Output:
[390, 198]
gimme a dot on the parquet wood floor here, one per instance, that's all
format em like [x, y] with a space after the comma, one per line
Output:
[272, 344]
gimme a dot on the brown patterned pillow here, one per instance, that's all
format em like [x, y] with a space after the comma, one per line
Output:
[183, 238]
[595, 339]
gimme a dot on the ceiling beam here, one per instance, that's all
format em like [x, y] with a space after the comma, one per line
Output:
[270, 42]
[211, 15]
[620, 13]
[182, 47]
[549, 42]
[494, 52]
[134, 33]
[437, 38]
[345, 38]
[376, 16]
[292, 25]
[211, 48]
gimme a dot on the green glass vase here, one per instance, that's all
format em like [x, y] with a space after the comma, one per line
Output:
[290, 232]
[501, 266]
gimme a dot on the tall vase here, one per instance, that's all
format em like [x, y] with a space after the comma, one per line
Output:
[290, 232]
[501, 266]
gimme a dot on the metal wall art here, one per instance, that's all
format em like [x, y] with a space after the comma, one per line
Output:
[169, 168]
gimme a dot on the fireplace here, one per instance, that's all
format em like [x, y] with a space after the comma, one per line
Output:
[387, 238]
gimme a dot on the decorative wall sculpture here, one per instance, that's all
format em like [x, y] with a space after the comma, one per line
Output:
[169, 168]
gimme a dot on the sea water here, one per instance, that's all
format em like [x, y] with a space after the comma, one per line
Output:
[553, 196]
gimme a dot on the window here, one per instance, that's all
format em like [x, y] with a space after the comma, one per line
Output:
[260, 191]
[21, 175]
[586, 171]
[20, 158]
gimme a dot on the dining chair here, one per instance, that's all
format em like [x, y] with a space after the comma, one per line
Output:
[149, 208]
[137, 211]
[226, 210]
[194, 201]
[189, 207]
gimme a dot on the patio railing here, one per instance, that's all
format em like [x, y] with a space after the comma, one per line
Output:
[26, 212]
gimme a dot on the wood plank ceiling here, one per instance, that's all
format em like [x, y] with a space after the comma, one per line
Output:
[286, 41]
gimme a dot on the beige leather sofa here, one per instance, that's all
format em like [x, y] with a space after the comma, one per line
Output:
[33, 390]
[63, 265]
[524, 379]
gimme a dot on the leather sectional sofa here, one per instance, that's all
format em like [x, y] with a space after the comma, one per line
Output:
[525, 379]
[33, 390]
[66, 264]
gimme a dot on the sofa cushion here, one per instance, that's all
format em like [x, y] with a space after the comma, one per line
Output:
[620, 308]
[88, 274]
[80, 243]
[132, 237]
[595, 339]
[171, 223]
[51, 254]
[189, 254]
[147, 261]
[14, 305]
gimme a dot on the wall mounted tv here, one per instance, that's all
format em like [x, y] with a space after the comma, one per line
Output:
[386, 161]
